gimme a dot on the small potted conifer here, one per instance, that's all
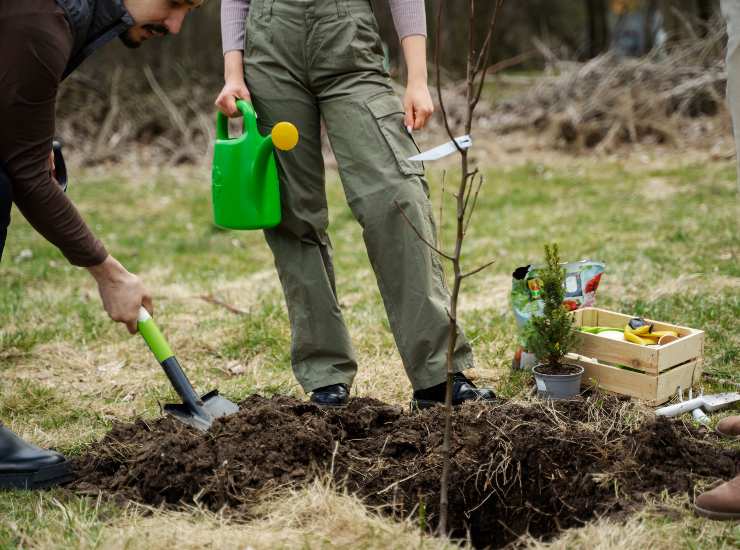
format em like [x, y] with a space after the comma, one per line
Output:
[551, 335]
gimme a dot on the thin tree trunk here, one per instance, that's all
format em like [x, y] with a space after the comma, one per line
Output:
[476, 67]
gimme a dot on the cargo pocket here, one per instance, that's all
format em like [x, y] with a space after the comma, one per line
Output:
[258, 33]
[388, 113]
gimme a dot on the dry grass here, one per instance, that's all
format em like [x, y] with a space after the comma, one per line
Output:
[316, 516]
[649, 528]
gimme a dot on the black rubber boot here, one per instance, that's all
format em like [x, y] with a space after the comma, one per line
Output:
[335, 395]
[25, 466]
[462, 390]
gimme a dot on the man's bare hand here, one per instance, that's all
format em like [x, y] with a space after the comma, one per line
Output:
[122, 292]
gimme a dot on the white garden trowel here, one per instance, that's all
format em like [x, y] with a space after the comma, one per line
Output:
[436, 153]
[709, 403]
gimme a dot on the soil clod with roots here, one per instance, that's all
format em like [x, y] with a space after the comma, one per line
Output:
[517, 468]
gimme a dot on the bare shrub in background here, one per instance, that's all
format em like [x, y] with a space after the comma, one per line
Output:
[608, 101]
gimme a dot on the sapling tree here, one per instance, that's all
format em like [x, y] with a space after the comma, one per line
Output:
[551, 335]
[465, 196]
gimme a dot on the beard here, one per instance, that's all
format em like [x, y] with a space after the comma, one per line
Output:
[130, 41]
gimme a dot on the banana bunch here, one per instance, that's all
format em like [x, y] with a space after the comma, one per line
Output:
[645, 336]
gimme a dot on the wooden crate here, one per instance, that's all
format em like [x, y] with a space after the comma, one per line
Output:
[653, 373]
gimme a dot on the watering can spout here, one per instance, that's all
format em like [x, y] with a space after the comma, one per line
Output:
[284, 136]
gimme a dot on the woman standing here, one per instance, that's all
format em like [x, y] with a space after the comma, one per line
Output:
[303, 60]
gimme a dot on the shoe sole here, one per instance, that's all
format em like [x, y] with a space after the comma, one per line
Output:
[720, 516]
[46, 477]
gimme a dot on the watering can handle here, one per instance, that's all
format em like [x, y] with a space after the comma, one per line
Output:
[250, 120]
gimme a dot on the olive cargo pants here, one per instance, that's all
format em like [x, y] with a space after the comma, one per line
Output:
[308, 59]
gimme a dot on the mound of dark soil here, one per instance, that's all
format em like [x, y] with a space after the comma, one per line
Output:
[516, 468]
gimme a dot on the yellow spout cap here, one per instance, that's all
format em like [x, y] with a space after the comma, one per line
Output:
[284, 136]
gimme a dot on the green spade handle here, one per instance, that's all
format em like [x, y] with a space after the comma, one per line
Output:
[161, 350]
[153, 337]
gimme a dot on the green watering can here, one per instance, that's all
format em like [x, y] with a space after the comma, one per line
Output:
[244, 181]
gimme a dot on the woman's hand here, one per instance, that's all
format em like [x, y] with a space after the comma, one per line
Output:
[417, 102]
[226, 100]
[234, 87]
[418, 105]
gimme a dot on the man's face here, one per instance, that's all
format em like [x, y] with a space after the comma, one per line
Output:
[156, 18]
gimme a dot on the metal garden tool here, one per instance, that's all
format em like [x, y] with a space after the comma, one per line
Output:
[435, 153]
[198, 412]
[709, 403]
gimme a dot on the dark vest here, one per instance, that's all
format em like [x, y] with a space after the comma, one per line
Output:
[94, 23]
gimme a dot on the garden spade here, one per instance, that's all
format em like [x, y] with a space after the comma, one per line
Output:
[198, 412]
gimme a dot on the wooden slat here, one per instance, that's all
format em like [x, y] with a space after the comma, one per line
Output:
[625, 382]
[578, 318]
[684, 376]
[684, 349]
[589, 317]
[644, 358]
[608, 318]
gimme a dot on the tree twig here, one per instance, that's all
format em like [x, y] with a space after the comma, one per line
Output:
[478, 269]
[418, 233]
[475, 201]
[483, 56]
[213, 300]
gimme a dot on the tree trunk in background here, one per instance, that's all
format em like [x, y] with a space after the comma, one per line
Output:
[649, 28]
[597, 29]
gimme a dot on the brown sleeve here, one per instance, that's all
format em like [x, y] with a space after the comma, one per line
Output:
[36, 42]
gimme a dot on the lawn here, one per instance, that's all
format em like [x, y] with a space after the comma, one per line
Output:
[666, 227]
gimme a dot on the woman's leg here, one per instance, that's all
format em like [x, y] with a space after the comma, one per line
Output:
[364, 119]
[321, 350]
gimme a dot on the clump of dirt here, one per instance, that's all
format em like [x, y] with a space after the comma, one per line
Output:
[517, 468]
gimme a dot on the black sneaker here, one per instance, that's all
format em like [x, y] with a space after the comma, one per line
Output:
[335, 395]
[25, 466]
[462, 390]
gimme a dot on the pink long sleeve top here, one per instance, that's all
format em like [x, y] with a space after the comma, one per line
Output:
[409, 18]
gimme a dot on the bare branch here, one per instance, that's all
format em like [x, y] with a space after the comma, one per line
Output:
[441, 210]
[511, 62]
[484, 54]
[475, 201]
[175, 116]
[421, 237]
[469, 190]
[477, 269]
[445, 118]
[213, 300]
